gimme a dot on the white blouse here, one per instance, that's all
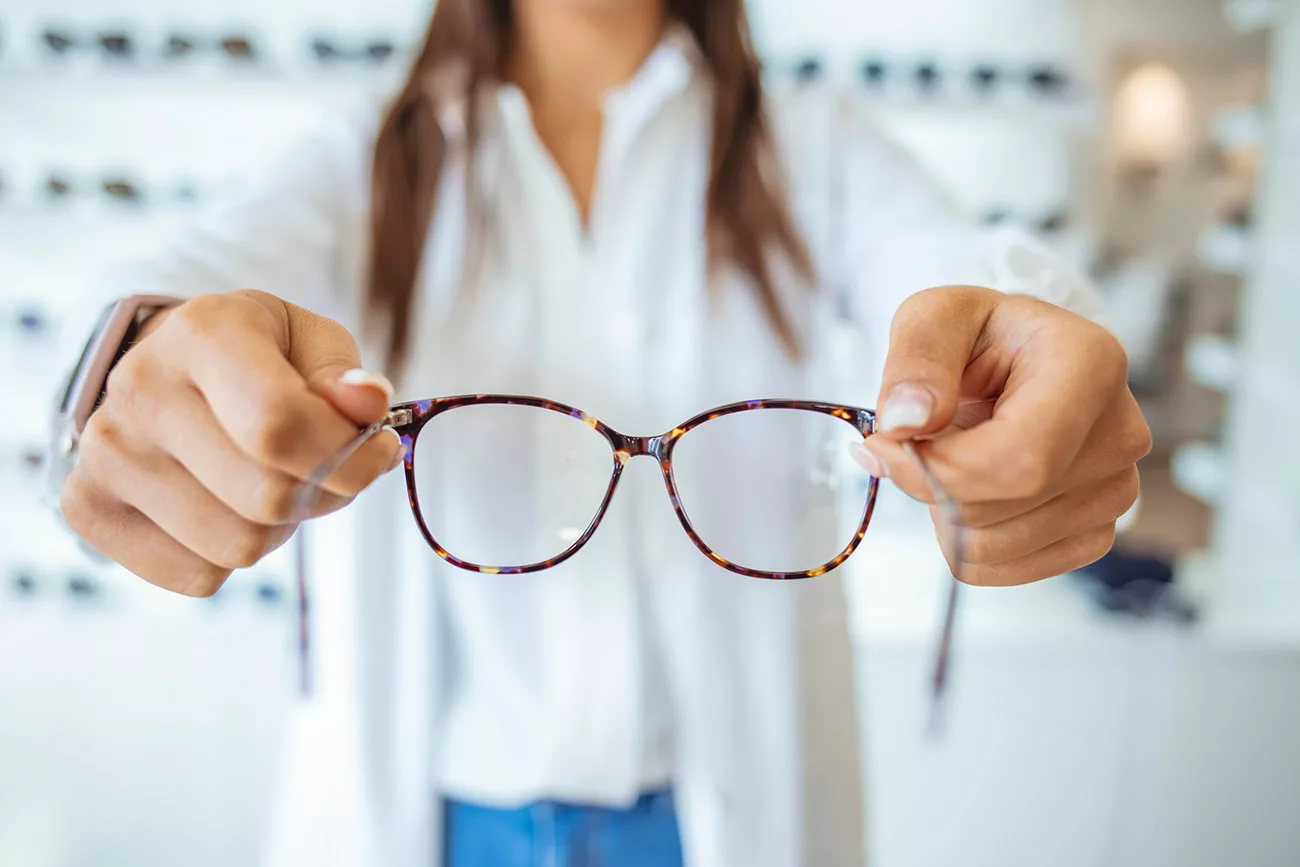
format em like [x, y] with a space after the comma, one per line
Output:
[556, 686]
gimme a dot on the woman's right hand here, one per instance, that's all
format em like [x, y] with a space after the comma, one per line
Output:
[194, 463]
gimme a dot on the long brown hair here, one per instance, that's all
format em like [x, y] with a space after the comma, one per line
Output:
[747, 216]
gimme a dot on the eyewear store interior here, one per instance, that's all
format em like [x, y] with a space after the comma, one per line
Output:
[1143, 713]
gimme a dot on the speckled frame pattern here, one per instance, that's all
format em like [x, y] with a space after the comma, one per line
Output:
[407, 419]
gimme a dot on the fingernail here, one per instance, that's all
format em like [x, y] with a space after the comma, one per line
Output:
[397, 458]
[357, 376]
[869, 462]
[908, 406]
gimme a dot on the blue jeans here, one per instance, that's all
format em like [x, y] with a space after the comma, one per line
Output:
[550, 834]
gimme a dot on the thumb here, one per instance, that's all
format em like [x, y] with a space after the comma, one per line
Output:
[931, 340]
[328, 358]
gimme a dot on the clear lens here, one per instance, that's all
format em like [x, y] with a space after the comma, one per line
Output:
[506, 486]
[773, 490]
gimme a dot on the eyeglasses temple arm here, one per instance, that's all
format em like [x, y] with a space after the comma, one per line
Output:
[943, 649]
[307, 494]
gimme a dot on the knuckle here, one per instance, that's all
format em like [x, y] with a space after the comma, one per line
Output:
[1031, 473]
[979, 516]
[1126, 491]
[273, 499]
[102, 450]
[1137, 440]
[1094, 546]
[1107, 357]
[273, 432]
[200, 318]
[78, 506]
[201, 580]
[130, 388]
[246, 546]
[978, 547]
[978, 575]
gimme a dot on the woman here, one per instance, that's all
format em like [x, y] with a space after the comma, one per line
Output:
[592, 201]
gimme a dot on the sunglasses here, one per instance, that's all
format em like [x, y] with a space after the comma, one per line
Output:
[236, 47]
[115, 44]
[328, 51]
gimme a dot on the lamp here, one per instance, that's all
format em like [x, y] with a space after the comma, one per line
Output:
[1152, 120]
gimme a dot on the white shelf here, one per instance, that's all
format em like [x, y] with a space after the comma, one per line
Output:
[182, 78]
[1226, 249]
[1198, 470]
[1212, 360]
[1247, 15]
[1242, 127]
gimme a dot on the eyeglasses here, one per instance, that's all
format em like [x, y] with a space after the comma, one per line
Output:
[532, 479]
[943, 648]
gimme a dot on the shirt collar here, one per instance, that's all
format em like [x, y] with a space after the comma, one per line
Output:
[674, 65]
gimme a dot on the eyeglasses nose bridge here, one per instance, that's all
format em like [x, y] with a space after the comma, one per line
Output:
[656, 447]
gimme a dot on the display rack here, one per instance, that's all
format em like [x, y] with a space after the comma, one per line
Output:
[1256, 542]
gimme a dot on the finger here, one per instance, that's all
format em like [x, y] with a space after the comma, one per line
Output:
[932, 339]
[1069, 514]
[237, 361]
[1066, 373]
[123, 534]
[158, 401]
[328, 358]
[1116, 441]
[359, 394]
[190, 433]
[156, 485]
[1058, 558]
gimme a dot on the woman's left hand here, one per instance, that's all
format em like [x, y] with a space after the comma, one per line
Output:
[1036, 435]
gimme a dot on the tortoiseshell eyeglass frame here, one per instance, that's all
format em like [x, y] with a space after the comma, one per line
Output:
[407, 419]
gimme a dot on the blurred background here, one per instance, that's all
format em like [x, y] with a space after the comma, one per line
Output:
[1145, 713]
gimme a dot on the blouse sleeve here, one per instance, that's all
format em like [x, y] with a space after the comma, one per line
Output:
[902, 235]
[295, 229]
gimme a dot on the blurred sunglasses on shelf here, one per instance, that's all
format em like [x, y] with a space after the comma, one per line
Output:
[1052, 222]
[121, 190]
[807, 70]
[329, 51]
[985, 77]
[58, 187]
[62, 43]
[236, 47]
[875, 72]
[1042, 80]
[1049, 223]
[1046, 80]
[928, 76]
[117, 189]
[995, 216]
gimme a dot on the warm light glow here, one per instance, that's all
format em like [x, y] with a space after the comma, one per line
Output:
[1152, 118]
